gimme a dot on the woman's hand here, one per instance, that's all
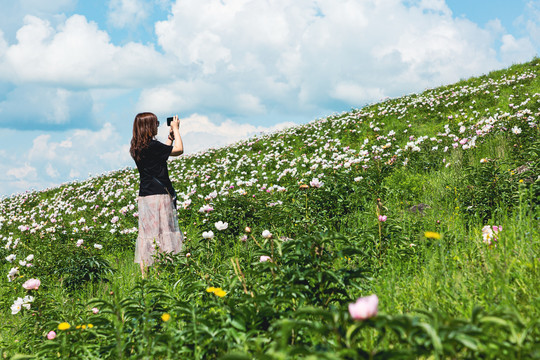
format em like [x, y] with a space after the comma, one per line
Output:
[175, 123]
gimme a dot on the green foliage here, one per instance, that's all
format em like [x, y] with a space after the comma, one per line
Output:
[397, 199]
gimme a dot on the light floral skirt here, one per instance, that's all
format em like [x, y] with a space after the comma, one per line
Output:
[158, 228]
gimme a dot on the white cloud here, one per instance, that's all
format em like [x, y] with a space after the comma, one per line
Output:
[356, 94]
[78, 54]
[127, 13]
[51, 171]
[80, 152]
[308, 54]
[26, 172]
[199, 132]
[38, 107]
[516, 50]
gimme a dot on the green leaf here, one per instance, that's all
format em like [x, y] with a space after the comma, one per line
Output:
[435, 340]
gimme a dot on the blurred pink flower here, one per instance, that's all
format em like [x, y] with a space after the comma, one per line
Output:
[95, 310]
[265, 258]
[490, 233]
[316, 183]
[364, 308]
[51, 335]
[32, 284]
[382, 218]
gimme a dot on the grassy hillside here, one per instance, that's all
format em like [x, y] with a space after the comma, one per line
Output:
[430, 201]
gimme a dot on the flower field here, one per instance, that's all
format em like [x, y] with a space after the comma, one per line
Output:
[405, 229]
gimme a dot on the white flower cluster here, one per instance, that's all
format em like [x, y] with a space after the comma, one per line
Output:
[20, 303]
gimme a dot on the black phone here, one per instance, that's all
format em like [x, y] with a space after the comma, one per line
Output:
[169, 120]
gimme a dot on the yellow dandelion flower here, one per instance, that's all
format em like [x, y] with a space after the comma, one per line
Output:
[432, 235]
[63, 326]
[78, 327]
[165, 317]
[521, 180]
[211, 289]
[219, 292]
[83, 327]
[90, 326]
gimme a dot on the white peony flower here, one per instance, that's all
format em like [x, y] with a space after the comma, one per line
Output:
[208, 234]
[220, 225]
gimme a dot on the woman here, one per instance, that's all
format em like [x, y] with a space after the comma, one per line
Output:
[158, 224]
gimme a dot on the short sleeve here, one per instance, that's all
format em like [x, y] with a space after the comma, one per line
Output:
[161, 151]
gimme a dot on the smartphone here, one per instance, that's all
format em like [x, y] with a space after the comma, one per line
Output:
[169, 120]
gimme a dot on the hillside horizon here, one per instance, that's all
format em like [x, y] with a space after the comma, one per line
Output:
[132, 167]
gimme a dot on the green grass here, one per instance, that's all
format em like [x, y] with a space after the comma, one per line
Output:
[448, 296]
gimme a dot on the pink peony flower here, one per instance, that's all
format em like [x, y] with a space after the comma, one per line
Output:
[32, 284]
[51, 335]
[364, 308]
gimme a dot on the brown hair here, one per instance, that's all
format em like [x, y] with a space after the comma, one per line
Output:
[145, 128]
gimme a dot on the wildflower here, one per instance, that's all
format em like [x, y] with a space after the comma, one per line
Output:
[483, 160]
[79, 242]
[219, 292]
[265, 258]
[90, 326]
[188, 255]
[304, 186]
[206, 208]
[208, 234]
[247, 229]
[165, 317]
[16, 307]
[382, 218]
[432, 235]
[266, 234]
[216, 291]
[316, 183]
[30, 257]
[115, 219]
[51, 335]
[220, 225]
[13, 273]
[98, 246]
[516, 130]
[357, 179]
[364, 308]
[11, 257]
[32, 284]
[490, 233]
[63, 326]
[243, 238]
[95, 310]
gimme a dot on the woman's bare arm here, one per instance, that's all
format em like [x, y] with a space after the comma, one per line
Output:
[178, 148]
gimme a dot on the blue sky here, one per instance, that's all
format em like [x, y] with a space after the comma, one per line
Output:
[73, 74]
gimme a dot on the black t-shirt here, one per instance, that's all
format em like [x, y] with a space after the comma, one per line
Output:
[153, 163]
